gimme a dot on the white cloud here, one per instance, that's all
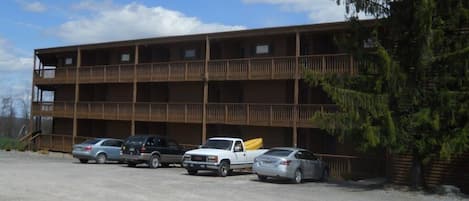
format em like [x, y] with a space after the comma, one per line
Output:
[133, 21]
[15, 72]
[9, 61]
[317, 10]
[35, 6]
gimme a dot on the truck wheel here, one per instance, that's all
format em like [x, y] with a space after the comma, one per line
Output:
[154, 161]
[262, 177]
[83, 160]
[298, 177]
[101, 158]
[130, 164]
[223, 169]
[192, 172]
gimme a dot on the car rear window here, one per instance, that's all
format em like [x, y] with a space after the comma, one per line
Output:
[278, 152]
[92, 141]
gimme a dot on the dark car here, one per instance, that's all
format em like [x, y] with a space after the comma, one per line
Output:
[152, 150]
[98, 149]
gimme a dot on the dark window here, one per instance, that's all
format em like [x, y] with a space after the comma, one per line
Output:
[305, 155]
[278, 152]
[218, 144]
[138, 140]
[160, 142]
[68, 61]
[238, 146]
[172, 144]
[263, 49]
[125, 57]
[150, 142]
[189, 53]
[112, 143]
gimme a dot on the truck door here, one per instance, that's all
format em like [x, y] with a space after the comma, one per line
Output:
[240, 153]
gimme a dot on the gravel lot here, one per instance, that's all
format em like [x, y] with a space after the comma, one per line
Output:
[30, 176]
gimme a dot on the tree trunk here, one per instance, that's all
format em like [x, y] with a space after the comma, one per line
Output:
[417, 180]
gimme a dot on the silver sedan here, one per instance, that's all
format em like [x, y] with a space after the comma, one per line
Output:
[291, 163]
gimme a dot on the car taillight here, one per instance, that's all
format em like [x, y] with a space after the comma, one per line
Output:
[142, 149]
[88, 148]
[287, 162]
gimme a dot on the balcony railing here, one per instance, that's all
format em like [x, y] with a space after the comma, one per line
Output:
[55, 76]
[55, 109]
[281, 115]
[227, 69]
[106, 73]
[171, 71]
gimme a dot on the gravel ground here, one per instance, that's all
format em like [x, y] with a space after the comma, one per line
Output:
[30, 176]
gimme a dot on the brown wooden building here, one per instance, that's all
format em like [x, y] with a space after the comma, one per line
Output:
[246, 84]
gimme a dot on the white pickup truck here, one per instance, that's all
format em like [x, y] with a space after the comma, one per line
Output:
[220, 154]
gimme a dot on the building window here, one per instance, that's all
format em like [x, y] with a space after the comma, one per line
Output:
[189, 53]
[125, 57]
[68, 61]
[262, 49]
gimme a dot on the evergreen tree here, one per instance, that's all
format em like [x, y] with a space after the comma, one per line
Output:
[411, 94]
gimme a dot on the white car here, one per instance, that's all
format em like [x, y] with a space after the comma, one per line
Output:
[220, 154]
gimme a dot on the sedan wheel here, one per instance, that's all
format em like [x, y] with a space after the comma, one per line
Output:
[101, 158]
[298, 177]
[83, 160]
[154, 161]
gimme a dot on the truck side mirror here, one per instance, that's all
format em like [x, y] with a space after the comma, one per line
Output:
[200, 146]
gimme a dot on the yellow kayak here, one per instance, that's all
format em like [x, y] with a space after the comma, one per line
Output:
[254, 144]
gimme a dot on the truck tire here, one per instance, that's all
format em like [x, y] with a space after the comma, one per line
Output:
[223, 169]
[154, 161]
[192, 172]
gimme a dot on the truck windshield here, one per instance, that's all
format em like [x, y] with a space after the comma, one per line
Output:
[218, 144]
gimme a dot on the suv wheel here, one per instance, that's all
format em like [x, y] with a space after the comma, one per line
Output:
[154, 161]
[192, 172]
[101, 158]
[223, 169]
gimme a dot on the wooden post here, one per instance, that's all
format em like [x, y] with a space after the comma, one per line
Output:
[77, 94]
[296, 93]
[351, 65]
[31, 117]
[134, 95]
[204, 107]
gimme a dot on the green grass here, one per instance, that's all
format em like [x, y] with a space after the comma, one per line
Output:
[11, 144]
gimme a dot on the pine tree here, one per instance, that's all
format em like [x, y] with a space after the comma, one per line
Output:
[411, 94]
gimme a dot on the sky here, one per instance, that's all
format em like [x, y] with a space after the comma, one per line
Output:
[32, 24]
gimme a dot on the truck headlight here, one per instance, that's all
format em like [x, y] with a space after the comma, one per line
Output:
[186, 157]
[212, 159]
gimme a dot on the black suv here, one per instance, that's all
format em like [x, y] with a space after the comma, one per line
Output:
[151, 149]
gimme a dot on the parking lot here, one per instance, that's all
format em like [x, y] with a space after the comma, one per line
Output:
[30, 176]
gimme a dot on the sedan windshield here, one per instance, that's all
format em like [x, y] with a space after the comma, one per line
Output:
[218, 144]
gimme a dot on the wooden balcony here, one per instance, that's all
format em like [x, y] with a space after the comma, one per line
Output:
[171, 71]
[106, 74]
[278, 115]
[55, 76]
[229, 69]
[54, 109]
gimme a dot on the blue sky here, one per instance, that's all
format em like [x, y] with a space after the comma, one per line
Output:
[30, 24]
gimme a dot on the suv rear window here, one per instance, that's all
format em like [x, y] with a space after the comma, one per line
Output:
[278, 152]
[137, 140]
[91, 141]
